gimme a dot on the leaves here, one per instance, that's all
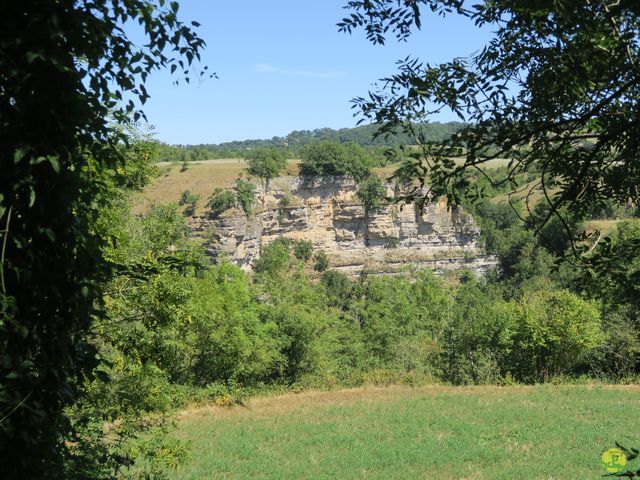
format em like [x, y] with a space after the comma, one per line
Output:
[542, 93]
[66, 66]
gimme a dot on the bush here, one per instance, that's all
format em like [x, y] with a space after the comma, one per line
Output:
[475, 338]
[394, 312]
[322, 261]
[552, 333]
[285, 201]
[189, 201]
[220, 201]
[371, 193]
[618, 357]
[227, 340]
[303, 250]
[274, 258]
[246, 193]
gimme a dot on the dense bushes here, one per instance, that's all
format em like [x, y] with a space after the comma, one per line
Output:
[216, 325]
[178, 329]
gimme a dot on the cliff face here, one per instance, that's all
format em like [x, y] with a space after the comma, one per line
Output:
[328, 213]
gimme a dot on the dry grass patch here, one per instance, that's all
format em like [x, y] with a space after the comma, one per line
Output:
[201, 178]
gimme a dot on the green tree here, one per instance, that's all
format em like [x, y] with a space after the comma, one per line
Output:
[227, 340]
[371, 193]
[476, 336]
[266, 163]
[555, 90]
[324, 158]
[552, 333]
[65, 68]
[246, 194]
[275, 257]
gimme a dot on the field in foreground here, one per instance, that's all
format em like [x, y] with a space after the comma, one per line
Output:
[541, 432]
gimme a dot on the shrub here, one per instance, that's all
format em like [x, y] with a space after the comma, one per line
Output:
[246, 193]
[552, 333]
[337, 287]
[476, 336]
[371, 193]
[396, 312]
[220, 201]
[303, 250]
[189, 201]
[618, 357]
[274, 258]
[228, 341]
[322, 261]
[285, 200]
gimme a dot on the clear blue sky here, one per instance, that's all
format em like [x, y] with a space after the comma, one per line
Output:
[283, 66]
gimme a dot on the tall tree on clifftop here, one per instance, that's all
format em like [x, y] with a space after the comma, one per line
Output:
[266, 163]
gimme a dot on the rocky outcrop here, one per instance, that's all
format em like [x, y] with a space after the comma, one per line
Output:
[327, 213]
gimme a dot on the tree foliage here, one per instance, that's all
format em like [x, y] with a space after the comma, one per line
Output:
[555, 91]
[332, 159]
[221, 200]
[69, 75]
[246, 194]
[363, 135]
[266, 163]
[371, 193]
[189, 201]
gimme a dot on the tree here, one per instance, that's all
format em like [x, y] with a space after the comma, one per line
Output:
[552, 333]
[66, 68]
[371, 193]
[322, 261]
[266, 163]
[556, 90]
[326, 158]
[246, 194]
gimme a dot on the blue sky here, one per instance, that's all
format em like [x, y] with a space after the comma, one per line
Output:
[283, 66]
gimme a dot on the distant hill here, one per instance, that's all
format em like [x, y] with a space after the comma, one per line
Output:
[362, 135]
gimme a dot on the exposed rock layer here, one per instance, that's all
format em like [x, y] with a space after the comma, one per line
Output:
[328, 213]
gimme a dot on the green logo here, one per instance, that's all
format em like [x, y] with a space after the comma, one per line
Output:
[614, 460]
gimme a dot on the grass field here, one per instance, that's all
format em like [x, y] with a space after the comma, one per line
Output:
[203, 177]
[541, 432]
[200, 178]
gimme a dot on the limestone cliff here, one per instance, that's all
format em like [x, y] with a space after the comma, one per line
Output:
[328, 213]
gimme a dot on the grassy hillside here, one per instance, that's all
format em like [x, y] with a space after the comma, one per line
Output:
[437, 432]
[202, 177]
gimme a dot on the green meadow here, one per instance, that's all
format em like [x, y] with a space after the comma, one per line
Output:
[435, 432]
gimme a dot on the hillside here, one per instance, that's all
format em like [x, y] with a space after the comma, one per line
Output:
[363, 135]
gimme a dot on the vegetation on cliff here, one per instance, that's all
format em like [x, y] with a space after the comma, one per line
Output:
[109, 320]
